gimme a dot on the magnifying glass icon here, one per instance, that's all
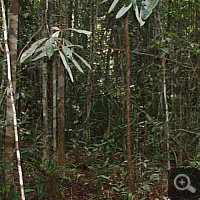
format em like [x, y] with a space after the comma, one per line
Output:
[183, 180]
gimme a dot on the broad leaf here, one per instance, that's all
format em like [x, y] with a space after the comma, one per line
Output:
[152, 5]
[77, 65]
[130, 196]
[83, 60]
[134, 3]
[104, 1]
[122, 11]
[31, 50]
[145, 13]
[50, 47]
[146, 188]
[28, 190]
[75, 46]
[113, 5]
[149, 118]
[55, 28]
[42, 54]
[166, 50]
[56, 34]
[69, 44]
[66, 65]
[67, 51]
[139, 17]
[40, 49]
[80, 31]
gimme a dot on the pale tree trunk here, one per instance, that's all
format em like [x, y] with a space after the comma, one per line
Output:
[54, 95]
[166, 107]
[44, 3]
[165, 94]
[128, 110]
[9, 137]
[10, 89]
[61, 101]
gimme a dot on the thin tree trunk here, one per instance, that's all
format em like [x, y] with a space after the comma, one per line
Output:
[166, 108]
[11, 65]
[128, 110]
[54, 114]
[61, 101]
[9, 137]
[45, 115]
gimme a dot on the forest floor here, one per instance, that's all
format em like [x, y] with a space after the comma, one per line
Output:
[92, 174]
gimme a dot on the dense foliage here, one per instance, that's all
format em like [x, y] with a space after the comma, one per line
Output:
[95, 103]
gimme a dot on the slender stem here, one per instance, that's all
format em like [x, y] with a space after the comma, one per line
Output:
[128, 94]
[166, 108]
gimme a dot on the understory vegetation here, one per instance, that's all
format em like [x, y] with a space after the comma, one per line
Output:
[90, 119]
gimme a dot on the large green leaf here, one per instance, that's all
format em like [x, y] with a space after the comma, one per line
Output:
[56, 34]
[134, 3]
[152, 5]
[67, 51]
[145, 13]
[75, 46]
[50, 47]
[122, 11]
[166, 50]
[149, 118]
[139, 16]
[83, 60]
[80, 31]
[55, 28]
[40, 49]
[31, 50]
[66, 65]
[42, 54]
[113, 5]
[77, 65]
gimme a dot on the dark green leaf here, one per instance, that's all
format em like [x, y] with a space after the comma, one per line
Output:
[50, 47]
[28, 190]
[134, 3]
[39, 189]
[149, 118]
[152, 5]
[130, 196]
[145, 13]
[165, 50]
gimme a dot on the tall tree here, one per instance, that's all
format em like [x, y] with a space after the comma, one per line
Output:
[45, 114]
[128, 109]
[61, 92]
[10, 93]
[45, 100]
[9, 137]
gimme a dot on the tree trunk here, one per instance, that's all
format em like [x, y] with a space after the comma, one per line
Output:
[10, 91]
[45, 115]
[61, 101]
[9, 137]
[128, 110]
